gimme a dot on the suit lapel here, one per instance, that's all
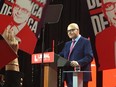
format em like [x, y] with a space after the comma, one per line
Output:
[77, 44]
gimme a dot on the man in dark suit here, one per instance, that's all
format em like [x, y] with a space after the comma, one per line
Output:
[80, 56]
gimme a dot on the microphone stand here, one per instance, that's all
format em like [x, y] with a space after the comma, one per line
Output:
[42, 63]
[49, 19]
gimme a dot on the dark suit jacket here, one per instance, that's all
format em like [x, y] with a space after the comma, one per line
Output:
[82, 53]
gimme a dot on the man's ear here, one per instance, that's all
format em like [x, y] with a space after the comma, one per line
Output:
[105, 16]
[29, 14]
[104, 12]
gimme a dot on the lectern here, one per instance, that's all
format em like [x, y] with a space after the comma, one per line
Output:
[50, 67]
[50, 71]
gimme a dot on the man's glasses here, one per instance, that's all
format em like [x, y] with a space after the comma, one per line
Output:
[71, 30]
[109, 6]
[23, 10]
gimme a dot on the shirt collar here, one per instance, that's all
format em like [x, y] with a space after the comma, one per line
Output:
[77, 38]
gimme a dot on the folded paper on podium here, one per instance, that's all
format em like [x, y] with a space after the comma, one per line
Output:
[61, 62]
[6, 52]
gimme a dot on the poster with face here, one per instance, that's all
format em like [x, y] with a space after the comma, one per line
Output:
[106, 35]
[103, 20]
[109, 10]
[25, 18]
[31, 11]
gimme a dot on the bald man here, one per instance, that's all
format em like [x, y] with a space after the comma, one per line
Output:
[79, 52]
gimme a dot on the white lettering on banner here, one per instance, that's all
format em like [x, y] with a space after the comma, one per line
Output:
[33, 24]
[39, 12]
[93, 4]
[46, 56]
[98, 23]
[98, 20]
[36, 58]
[39, 57]
[34, 9]
[6, 9]
[36, 12]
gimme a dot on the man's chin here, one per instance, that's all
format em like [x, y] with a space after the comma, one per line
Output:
[70, 36]
[17, 22]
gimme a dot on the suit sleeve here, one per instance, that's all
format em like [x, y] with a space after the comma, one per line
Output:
[87, 54]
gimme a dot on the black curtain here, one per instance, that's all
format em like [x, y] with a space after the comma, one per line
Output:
[73, 11]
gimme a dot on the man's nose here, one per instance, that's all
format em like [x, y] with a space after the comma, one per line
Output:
[19, 11]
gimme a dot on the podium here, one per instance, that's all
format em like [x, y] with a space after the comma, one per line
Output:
[50, 71]
[77, 77]
[51, 63]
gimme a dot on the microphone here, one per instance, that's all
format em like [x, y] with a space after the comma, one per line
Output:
[47, 50]
[77, 68]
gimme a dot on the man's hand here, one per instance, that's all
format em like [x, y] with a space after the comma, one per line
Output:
[9, 36]
[74, 64]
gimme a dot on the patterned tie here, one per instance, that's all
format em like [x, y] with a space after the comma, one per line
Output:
[71, 48]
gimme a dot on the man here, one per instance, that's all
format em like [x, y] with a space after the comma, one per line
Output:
[79, 56]
[106, 39]
[21, 11]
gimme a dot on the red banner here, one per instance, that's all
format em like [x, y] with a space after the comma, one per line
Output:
[25, 18]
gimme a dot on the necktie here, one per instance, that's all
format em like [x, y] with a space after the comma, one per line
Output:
[71, 48]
